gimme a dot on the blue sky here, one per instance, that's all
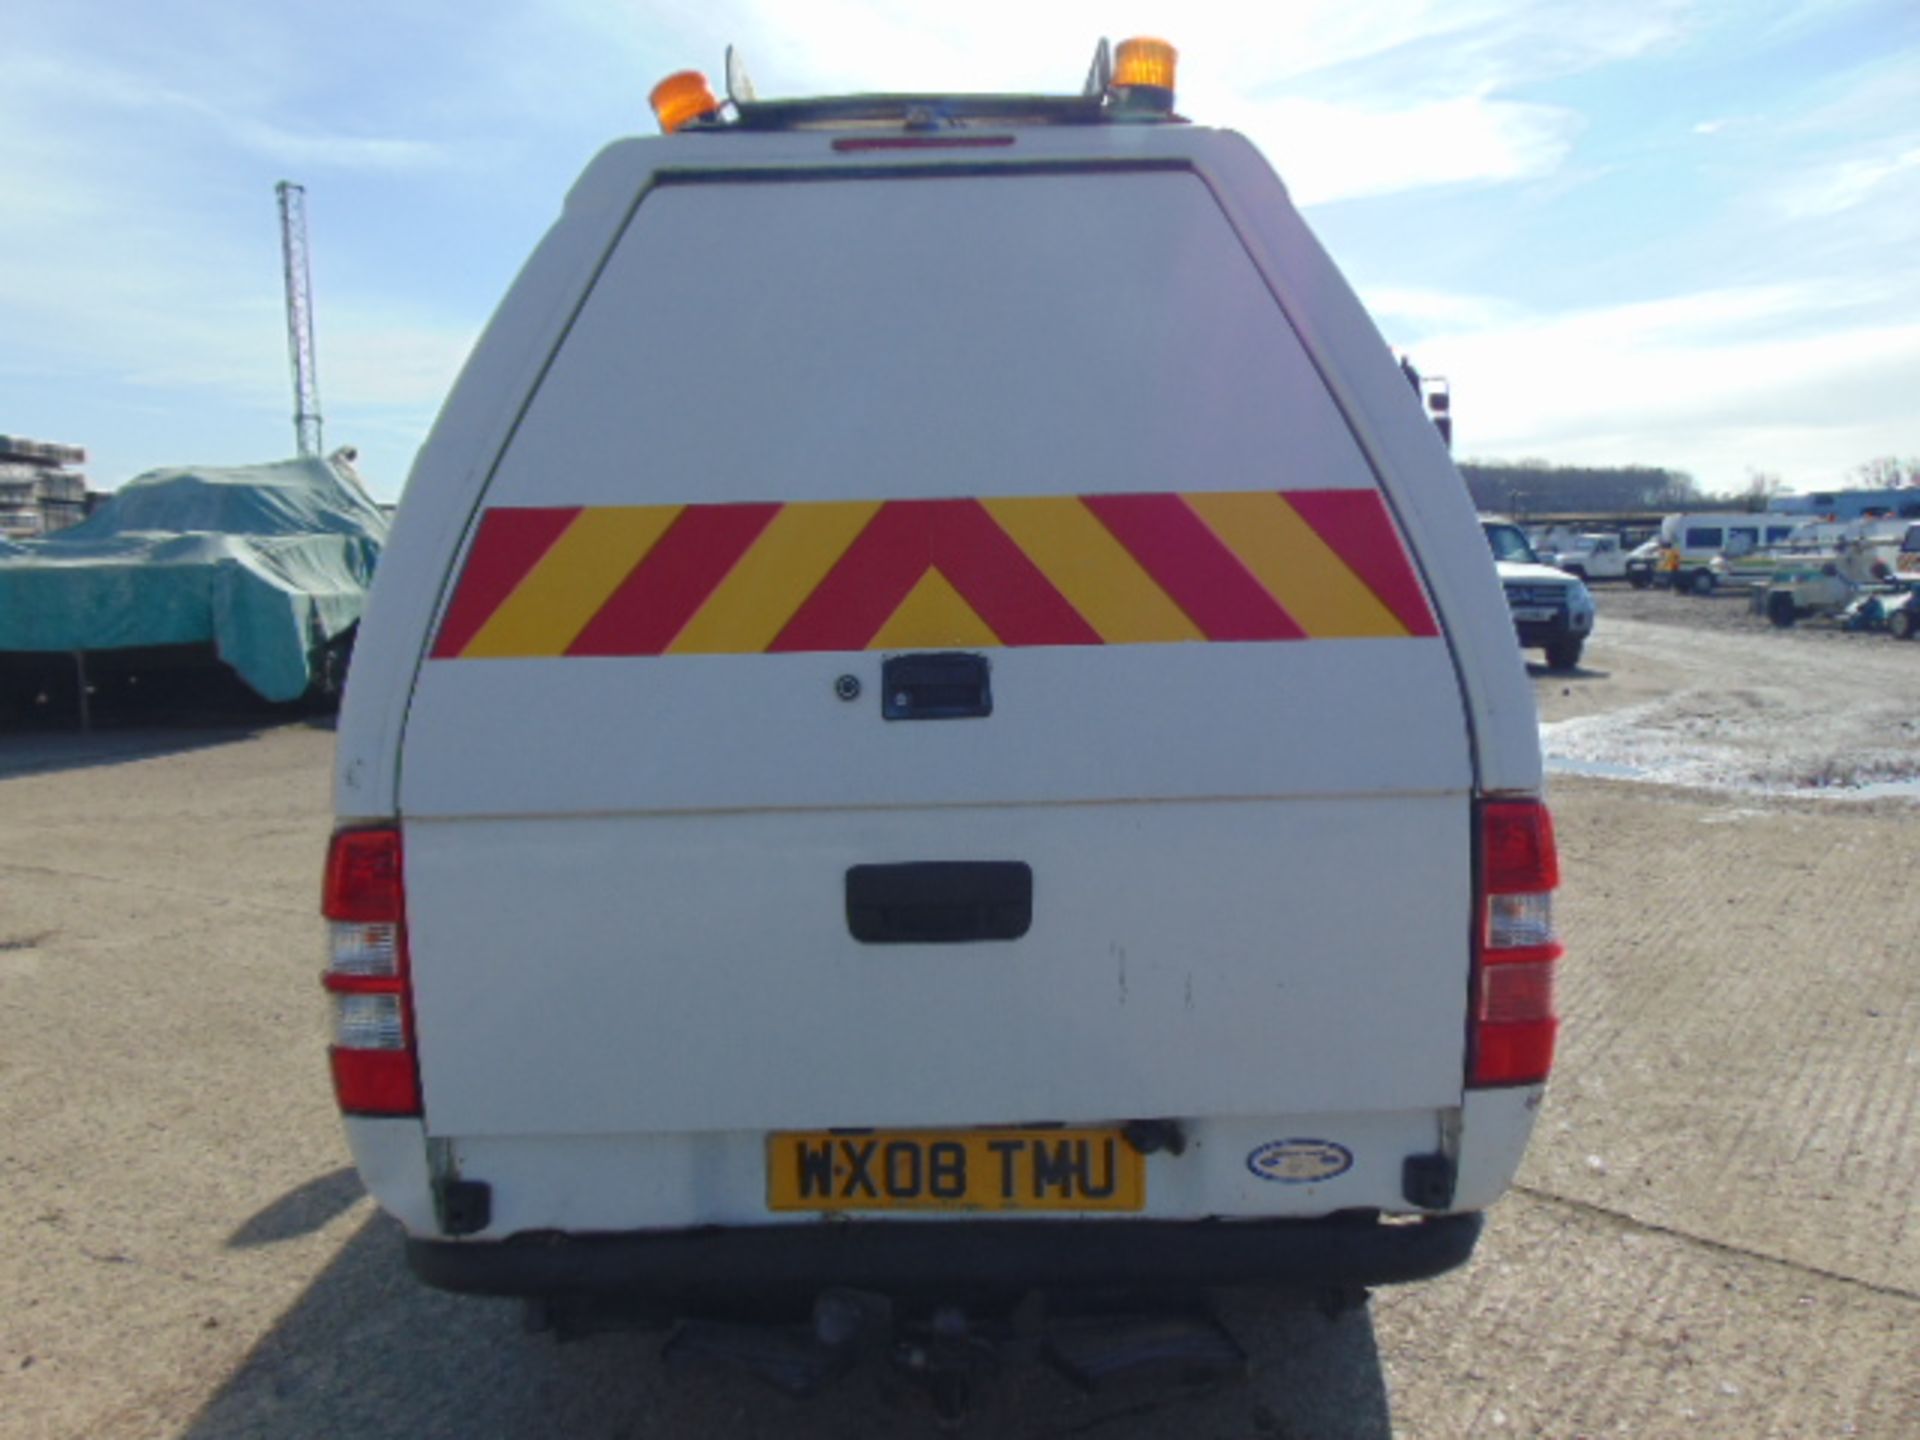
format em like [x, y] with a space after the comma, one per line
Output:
[1657, 232]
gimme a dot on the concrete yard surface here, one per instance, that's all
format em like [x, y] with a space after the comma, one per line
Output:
[1715, 1233]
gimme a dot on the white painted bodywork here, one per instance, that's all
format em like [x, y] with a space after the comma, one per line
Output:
[599, 1184]
[1185, 959]
[1252, 861]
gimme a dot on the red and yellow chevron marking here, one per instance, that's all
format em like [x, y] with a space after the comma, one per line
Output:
[743, 579]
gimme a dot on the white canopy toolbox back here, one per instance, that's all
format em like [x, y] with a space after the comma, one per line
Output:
[908, 674]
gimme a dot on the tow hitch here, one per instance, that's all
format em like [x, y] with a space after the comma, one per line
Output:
[948, 1352]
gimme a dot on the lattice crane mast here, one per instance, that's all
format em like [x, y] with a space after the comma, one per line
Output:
[293, 255]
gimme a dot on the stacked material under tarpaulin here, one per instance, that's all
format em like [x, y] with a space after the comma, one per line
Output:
[267, 562]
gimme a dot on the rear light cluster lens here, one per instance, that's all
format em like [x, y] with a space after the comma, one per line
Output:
[375, 1071]
[358, 948]
[368, 1022]
[1519, 922]
[1517, 994]
[1516, 950]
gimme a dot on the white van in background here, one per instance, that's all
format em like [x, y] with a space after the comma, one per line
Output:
[936, 724]
[1689, 544]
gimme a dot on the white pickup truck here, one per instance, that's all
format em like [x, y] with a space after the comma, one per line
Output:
[1551, 609]
[1592, 557]
[935, 723]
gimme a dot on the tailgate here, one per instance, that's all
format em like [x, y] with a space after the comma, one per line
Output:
[1273, 921]
[1208, 708]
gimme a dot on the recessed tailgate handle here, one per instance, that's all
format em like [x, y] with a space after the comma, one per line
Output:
[943, 686]
[939, 902]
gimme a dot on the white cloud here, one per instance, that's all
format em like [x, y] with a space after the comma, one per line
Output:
[1264, 72]
[1864, 98]
[1327, 152]
[1835, 188]
[375, 360]
[44, 88]
[1012, 44]
[136, 259]
[139, 261]
[319, 149]
[1796, 379]
[1428, 310]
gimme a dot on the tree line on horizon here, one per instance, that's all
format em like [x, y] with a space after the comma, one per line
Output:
[1540, 487]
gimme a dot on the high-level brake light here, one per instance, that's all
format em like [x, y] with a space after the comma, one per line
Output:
[1516, 948]
[375, 1069]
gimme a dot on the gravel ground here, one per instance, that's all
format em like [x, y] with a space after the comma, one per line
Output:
[1698, 691]
[1714, 1234]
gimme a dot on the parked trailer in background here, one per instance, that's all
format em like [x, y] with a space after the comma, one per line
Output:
[261, 569]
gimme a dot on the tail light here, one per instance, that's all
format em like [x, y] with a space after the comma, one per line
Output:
[375, 1067]
[1515, 946]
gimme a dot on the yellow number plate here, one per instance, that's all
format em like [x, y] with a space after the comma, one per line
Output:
[954, 1170]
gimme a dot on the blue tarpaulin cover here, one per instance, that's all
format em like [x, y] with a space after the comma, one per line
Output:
[268, 562]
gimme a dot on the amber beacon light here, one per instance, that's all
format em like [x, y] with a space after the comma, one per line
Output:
[1144, 62]
[681, 97]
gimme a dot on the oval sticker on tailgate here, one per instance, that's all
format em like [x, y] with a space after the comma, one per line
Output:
[1299, 1162]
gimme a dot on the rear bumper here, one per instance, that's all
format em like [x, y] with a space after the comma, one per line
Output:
[720, 1270]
